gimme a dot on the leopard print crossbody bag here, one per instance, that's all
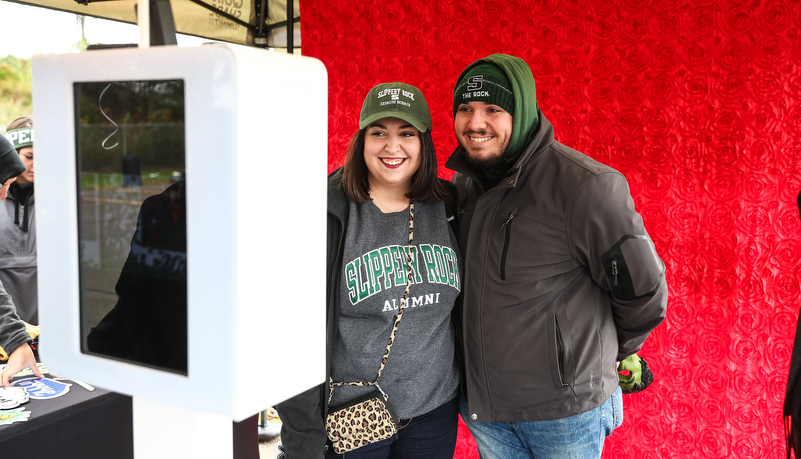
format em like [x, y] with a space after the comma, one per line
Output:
[369, 418]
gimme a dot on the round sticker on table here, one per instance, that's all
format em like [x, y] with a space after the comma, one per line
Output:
[12, 416]
[42, 389]
[12, 397]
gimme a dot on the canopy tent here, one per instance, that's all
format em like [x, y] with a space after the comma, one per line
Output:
[261, 23]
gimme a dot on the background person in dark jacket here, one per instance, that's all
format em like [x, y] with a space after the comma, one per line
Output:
[792, 397]
[561, 282]
[14, 340]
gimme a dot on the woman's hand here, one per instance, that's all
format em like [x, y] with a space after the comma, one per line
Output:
[22, 357]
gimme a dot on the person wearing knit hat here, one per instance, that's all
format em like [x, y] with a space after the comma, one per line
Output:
[562, 280]
[18, 226]
[20, 133]
[14, 339]
[390, 241]
[10, 165]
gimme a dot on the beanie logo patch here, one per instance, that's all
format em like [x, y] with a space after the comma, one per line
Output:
[484, 88]
[475, 82]
[473, 87]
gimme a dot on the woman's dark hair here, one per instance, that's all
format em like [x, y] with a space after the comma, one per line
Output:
[424, 181]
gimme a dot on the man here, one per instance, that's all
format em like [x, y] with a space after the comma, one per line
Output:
[561, 279]
[10, 166]
[14, 340]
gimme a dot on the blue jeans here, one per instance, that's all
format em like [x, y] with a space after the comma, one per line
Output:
[432, 435]
[576, 437]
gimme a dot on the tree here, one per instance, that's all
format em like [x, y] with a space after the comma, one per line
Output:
[15, 89]
[81, 45]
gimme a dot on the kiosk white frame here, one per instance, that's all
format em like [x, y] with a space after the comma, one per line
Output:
[256, 162]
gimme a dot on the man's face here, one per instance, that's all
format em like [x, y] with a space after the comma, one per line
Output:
[484, 130]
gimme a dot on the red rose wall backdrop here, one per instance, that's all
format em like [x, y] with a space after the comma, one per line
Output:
[698, 104]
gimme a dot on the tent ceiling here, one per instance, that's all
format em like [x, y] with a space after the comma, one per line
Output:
[192, 18]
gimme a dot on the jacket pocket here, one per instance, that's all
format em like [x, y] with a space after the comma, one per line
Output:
[560, 355]
[507, 224]
[633, 268]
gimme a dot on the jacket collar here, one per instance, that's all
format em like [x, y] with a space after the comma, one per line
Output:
[542, 139]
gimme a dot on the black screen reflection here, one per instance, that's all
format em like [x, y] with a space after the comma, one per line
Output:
[148, 323]
[132, 221]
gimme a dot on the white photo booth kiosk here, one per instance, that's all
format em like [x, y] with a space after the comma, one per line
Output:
[181, 199]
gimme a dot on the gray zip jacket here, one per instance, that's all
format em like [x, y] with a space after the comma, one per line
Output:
[12, 330]
[18, 255]
[561, 281]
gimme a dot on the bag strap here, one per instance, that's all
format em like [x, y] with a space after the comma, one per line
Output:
[404, 302]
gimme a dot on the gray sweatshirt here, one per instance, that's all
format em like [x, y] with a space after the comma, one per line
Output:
[420, 374]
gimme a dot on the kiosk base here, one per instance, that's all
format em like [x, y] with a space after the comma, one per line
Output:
[164, 431]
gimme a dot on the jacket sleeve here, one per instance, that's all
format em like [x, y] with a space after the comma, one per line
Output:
[12, 329]
[608, 237]
[303, 429]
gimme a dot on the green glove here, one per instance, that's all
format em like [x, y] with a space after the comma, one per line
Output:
[634, 374]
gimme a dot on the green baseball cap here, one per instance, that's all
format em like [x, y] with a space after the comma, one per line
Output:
[396, 100]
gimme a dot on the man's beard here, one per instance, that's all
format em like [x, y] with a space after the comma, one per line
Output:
[488, 163]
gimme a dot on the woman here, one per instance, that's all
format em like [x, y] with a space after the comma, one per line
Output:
[18, 228]
[389, 178]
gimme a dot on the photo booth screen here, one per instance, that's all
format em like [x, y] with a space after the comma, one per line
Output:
[131, 176]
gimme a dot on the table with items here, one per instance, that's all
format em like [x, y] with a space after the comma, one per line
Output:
[64, 418]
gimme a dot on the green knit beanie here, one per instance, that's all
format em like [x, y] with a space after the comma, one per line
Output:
[20, 138]
[487, 83]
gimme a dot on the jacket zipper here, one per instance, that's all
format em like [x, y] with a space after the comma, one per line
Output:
[560, 356]
[508, 225]
[614, 272]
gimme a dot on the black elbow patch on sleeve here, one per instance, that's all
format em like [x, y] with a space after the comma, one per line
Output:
[633, 268]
